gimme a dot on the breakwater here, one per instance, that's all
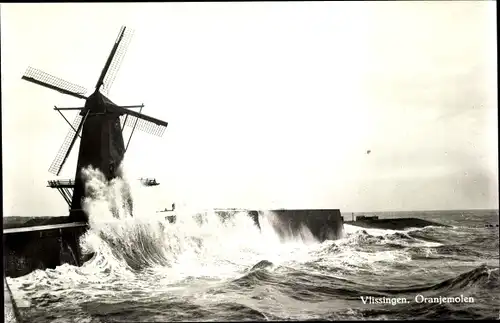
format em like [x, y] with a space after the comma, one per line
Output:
[41, 243]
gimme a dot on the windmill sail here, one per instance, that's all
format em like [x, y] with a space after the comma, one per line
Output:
[109, 79]
[44, 79]
[143, 125]
[113, 63]
[69, 141]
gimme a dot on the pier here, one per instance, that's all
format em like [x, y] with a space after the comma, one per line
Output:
[374, 222]
[41, 243]
[41, 246]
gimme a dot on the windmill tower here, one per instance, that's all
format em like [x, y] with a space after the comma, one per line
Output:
[99, 124]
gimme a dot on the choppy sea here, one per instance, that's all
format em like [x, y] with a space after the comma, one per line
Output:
[146, 269]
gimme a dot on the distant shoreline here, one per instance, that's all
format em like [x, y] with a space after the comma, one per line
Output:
[424, 211]
[28, 221]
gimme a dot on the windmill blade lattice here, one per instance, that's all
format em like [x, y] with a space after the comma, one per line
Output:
[117, 60]
[57, 163]
[143, 125]
[55, 83]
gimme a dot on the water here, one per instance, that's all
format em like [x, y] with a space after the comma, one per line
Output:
[146, 269]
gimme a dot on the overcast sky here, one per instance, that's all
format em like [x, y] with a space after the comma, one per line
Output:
[268, 104]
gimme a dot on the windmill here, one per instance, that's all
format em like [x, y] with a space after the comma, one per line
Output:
[99, 124]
